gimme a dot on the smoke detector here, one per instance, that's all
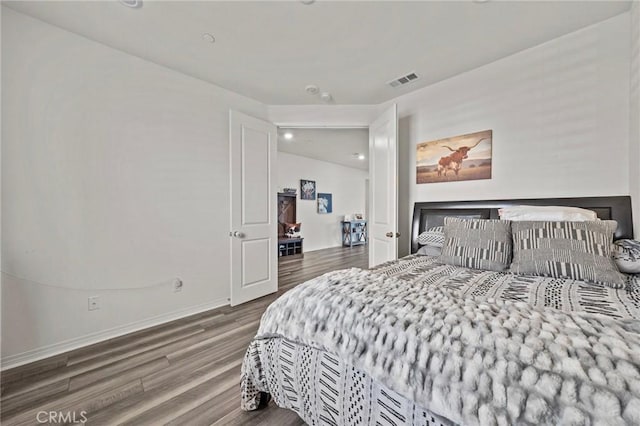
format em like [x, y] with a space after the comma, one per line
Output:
[208, 37]
[312, 89]
[325, 96]
[405, 79]
[134, 4]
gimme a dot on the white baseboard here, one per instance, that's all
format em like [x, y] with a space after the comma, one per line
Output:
[90, 339]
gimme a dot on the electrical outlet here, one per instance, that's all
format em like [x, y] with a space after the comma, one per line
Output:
[94, 303]
[177, 285]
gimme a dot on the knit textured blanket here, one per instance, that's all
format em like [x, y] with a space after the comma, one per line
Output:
[476, 362]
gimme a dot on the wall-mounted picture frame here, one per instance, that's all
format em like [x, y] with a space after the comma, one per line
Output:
[307, 189]
[325, 203]
[465, 157]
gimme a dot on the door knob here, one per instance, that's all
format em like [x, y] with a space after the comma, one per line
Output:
[236, 234]
[397, 235]
[389, 234]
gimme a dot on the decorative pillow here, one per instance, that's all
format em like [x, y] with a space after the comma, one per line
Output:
[626, 254]
[547, 213]
[433, 237]
[429, 251]
[477, 243]
[575, 250]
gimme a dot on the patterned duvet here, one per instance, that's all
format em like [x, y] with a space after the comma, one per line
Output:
[324, 389]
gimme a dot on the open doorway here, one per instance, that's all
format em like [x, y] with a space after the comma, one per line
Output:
[322, 198]
[258, 178]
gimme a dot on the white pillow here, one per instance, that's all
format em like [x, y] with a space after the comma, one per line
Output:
[547, 213]
[429, 251]
[626, 254]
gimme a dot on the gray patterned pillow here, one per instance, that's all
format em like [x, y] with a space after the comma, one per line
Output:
[626, 254]
[574, 250]
[477, 243]
[433, 237]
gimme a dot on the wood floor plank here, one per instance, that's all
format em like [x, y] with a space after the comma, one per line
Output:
[133, 346]
[99, 367]
[196, 363]
[80, 400]
[210, 411]
[131, 369]
[190, 399]
[12, 405]
[185, 372]
[148, 404]
[241, 333]
[29, 370]
[271, 416]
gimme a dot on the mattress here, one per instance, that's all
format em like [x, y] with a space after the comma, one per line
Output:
[323, 389]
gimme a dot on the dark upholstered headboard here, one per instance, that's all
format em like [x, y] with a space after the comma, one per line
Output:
[430, 214]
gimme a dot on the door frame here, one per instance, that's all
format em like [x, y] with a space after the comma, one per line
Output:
[330, 117]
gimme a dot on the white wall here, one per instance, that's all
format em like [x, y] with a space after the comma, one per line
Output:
[115, 174]
[634, 120]
[559, 114]
[347, 185]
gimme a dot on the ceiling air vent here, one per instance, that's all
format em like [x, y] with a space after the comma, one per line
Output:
[405, 79]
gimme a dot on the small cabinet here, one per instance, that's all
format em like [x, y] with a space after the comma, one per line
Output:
[290, 247]
[354, 232]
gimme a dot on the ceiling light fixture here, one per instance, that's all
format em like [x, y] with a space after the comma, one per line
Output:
[307, 2]
[361, 157]
[208, 37]
[134, 4]
[288, 136]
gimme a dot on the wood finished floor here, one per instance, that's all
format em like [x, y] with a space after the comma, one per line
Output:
[185, 372]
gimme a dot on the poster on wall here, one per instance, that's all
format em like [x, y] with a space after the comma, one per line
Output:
[466, 157]
[307, 189]
[325, 204]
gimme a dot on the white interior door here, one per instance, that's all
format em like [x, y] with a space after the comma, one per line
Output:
[253, 233]
[383, 185]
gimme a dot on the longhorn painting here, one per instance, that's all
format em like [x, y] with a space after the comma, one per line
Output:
[466, 157]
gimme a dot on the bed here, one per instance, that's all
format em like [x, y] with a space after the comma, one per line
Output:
[419, 342]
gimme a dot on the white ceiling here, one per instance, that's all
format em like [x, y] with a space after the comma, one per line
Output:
[332, 145]
[270, 51]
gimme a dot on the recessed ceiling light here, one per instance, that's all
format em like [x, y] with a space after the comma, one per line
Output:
[307, 2]
[361, 157]
[208, 37]
[312, 89]
[134, 4]
[288, 136]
